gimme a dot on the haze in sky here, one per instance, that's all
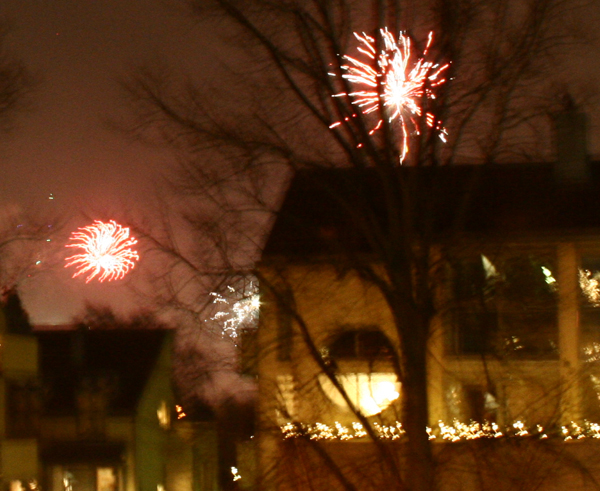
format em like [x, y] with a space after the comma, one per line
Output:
[62, 146]
[63, 157]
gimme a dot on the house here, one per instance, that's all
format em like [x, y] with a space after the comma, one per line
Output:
[107, 399]
[110, 420]
[19, 408]
[94, 409]
[515, 338]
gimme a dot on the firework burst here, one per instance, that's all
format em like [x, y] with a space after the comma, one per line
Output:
[393, 80]
[235, 309]
[107, 251]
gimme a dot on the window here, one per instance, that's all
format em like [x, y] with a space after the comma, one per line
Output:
[106, 479]
[92, 405]
[163, 413]
[589, 284]
[286, 397]
[353, 353]
[22, 409]
[474, 316]
[285, 303]
[367, 344]
[504, 305]
[85, 477]
[475, 332]
[249, 351]
[589, 319]
[371, 393]
[472, 402]
[479, 404]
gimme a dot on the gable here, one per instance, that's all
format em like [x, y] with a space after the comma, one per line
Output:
[118, 361]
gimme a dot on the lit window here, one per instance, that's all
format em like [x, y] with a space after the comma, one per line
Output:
[77, 477]
[106, 479]
[371, 393]
[164, 416]
[354, 354]
[286, 396]
[16, 485]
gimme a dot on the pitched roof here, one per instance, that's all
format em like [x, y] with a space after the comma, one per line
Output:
[504, 199]
[120, 360]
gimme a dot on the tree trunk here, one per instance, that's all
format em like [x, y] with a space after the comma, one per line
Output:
[419, 471]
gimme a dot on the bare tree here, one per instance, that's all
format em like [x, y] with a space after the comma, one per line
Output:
[287, 107]
[16, 82]
[24, 240]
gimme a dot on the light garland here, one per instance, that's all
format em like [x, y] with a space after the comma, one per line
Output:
[455, 432]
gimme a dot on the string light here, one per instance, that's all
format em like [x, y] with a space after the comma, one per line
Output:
[180, 413]
[455, 432]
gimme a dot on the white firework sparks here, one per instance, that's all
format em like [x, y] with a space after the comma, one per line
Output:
[236, 309]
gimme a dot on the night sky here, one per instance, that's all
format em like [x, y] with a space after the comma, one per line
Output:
[62, 144]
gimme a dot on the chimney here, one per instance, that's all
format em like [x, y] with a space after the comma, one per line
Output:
[570, 128]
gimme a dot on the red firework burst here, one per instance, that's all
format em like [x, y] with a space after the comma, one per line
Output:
[107, 251]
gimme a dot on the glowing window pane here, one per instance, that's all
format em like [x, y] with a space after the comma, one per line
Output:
[164, 416]
[106, 479]
[369, 392]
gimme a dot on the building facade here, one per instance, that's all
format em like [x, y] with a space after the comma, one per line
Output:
[512, 371]
[94, 410]
[19, 407]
